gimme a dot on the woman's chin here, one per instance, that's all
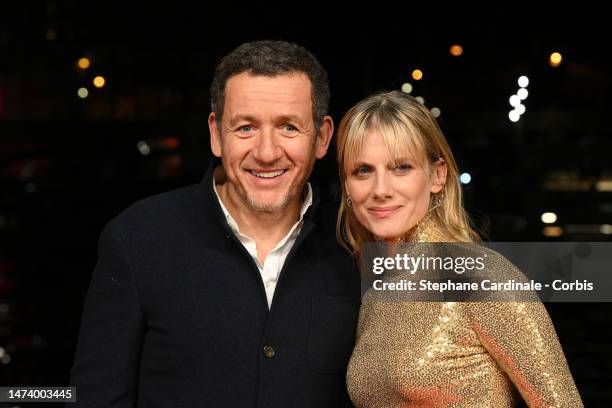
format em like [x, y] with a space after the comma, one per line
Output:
[388, 237]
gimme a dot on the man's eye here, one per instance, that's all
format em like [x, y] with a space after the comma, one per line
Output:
[245, 128]
[289, 128]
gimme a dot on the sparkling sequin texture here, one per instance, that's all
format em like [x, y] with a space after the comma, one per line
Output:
[457, 354]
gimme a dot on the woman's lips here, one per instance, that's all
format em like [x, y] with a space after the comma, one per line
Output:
[383, 212]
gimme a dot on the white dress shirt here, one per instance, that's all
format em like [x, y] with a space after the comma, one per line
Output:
[275, 259]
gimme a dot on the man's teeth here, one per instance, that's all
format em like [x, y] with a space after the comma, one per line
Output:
[268, 174]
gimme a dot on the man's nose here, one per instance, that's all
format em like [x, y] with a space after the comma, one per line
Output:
[267, 149]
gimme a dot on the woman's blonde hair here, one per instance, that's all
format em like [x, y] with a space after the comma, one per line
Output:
[405, 125]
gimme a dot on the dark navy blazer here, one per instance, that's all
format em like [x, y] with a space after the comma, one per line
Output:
[176, 314]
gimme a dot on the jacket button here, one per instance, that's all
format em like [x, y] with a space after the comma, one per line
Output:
[269, 351]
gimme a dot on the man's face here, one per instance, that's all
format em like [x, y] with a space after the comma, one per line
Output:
[267, 140]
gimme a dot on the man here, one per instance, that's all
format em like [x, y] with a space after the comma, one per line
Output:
[233, 292]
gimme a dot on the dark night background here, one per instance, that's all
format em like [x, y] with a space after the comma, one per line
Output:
[69, 164]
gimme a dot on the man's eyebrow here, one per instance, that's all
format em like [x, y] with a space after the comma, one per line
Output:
[242, 117]
[252, 119]
[289, 118]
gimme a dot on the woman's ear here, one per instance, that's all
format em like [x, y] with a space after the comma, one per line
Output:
[440, 171]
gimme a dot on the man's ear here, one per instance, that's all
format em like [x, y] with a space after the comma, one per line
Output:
[324, 136]
[439, 176]
[215, 135]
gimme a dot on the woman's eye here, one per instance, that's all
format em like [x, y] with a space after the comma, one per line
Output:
[361, 171]
[403, 168]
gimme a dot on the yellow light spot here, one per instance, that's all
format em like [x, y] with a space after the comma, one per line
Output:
[82, 92]
[143, 148]
[417, 74]
[603, 185]
[99, 81]
[406, 88]
[456, 50]
[555, 59]
[51, 34]
[552, 231]
[84, 63]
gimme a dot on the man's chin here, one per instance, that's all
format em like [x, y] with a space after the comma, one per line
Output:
[269, 206]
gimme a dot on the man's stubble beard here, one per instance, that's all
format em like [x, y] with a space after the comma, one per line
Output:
[286, 201]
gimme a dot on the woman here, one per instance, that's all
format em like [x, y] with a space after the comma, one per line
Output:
[400, 183]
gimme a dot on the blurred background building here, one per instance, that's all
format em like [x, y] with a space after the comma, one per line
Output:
[103, 104]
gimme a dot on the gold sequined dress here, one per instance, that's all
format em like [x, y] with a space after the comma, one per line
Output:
[457, 354]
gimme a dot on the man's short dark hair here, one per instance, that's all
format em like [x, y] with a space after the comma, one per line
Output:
[271, 58]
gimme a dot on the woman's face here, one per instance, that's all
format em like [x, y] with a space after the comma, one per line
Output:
[390, 196]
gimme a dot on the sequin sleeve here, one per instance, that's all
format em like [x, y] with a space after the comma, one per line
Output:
[522, 340]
